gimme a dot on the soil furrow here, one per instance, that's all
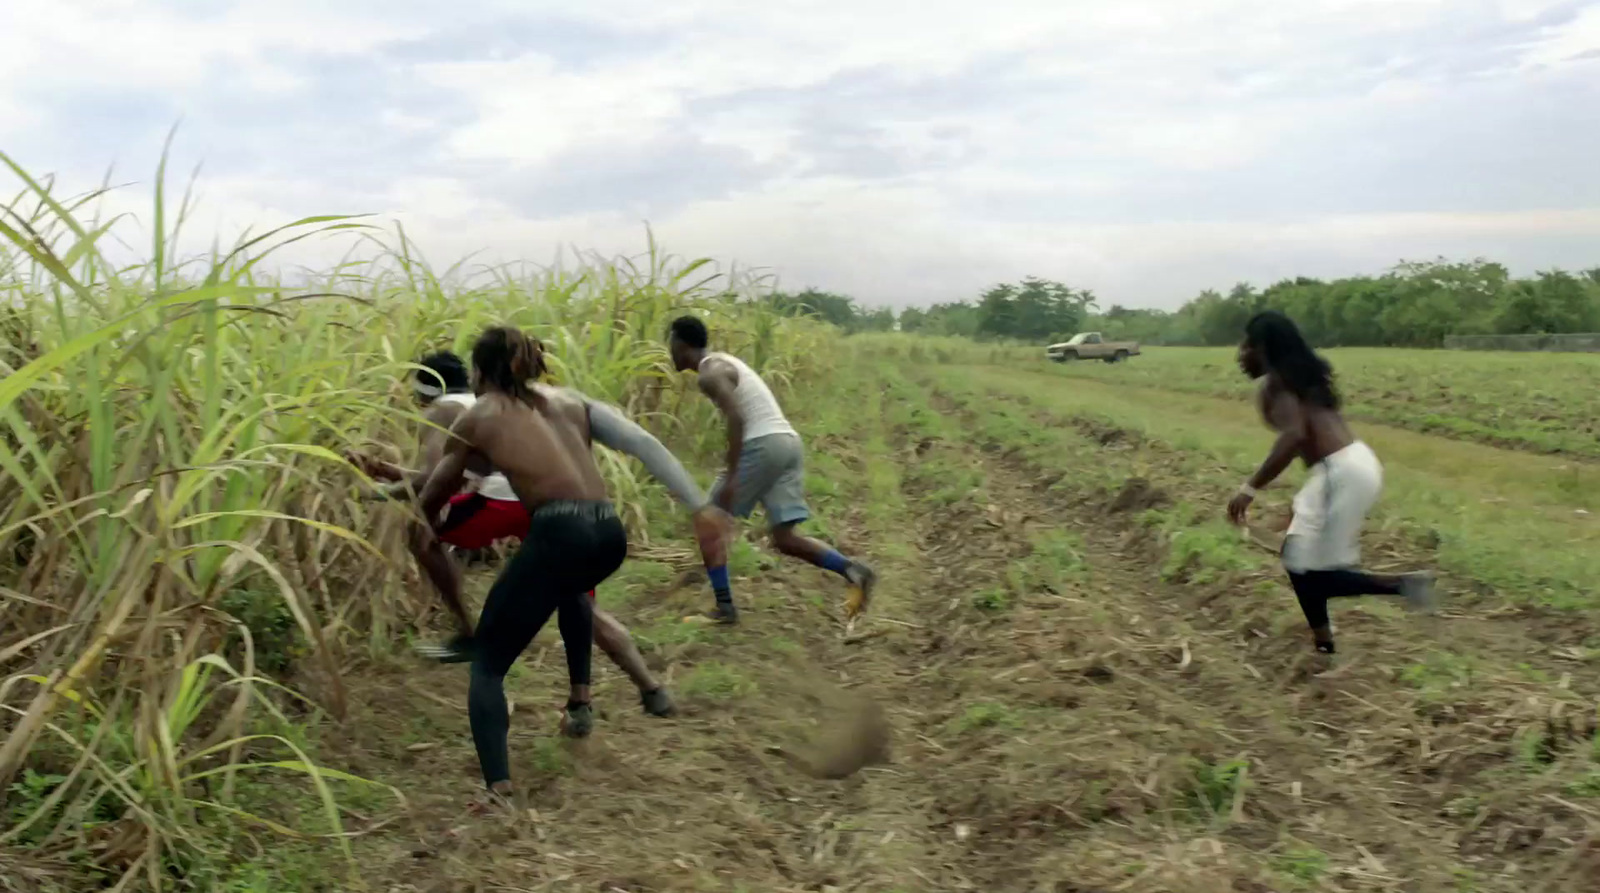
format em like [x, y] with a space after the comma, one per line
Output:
[1354, 761]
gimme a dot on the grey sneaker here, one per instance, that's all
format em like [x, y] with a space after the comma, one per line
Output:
[1419, 593]
[657, 702]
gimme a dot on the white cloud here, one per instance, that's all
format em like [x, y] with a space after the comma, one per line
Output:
[1146, 149]
[1571, 41]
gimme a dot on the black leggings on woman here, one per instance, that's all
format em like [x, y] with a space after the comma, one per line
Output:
[571, 546]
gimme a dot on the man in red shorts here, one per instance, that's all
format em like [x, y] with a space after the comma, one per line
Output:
[485, 512]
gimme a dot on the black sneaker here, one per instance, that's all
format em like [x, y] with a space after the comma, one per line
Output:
[459, 650]
[724, 613]
[657, 702]
[578, 721]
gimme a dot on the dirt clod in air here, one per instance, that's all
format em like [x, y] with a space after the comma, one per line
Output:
[854, 737]
[1136, 495]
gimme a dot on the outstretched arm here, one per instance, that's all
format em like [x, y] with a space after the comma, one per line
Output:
[608, 426]
[1283, 413]
[435, 436]
[446, 475]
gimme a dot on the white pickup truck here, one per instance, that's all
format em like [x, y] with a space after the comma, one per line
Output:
[1090, 346]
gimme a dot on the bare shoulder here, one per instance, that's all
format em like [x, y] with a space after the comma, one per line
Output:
[470, 420]
[1269, 389]
[562, 399]
[568, 404]
[443, 414]
[717, 372]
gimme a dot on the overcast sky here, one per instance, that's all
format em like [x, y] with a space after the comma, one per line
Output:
[904, 153]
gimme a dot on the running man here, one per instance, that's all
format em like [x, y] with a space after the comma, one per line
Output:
[765, 464]
[540, 438]
[1322, 550]
[483, 513]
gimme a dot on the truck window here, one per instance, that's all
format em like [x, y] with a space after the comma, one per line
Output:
[1092, 339]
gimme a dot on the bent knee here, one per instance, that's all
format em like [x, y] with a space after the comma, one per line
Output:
[786, 539]
[482, 672]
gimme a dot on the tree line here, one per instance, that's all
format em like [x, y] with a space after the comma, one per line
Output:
[1413, 304]
[1032, 309]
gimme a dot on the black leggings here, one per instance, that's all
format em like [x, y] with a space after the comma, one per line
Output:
[1314, 588]
[569, 549]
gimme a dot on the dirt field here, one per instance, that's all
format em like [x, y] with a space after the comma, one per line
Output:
[1091, 684]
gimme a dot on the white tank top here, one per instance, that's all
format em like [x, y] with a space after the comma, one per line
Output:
[762, 416]
[495, 486]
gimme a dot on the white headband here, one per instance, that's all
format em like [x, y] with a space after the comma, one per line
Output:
[427, 390]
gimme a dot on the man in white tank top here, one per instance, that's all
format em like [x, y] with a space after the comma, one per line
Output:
[486, 511]
[764, 464]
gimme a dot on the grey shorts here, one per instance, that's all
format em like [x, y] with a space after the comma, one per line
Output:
[772, 472]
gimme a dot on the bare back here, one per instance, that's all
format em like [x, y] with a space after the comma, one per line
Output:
[542, 445]
[1322, 430]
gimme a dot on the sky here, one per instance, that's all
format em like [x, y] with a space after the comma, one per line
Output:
[900, 153]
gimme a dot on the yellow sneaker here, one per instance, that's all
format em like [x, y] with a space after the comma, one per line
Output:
[862, 580]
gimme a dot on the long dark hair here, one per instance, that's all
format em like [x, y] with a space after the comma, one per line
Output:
[507, 358]
[1279, 342]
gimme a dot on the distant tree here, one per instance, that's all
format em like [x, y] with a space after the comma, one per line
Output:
[879, 320]
[1033, 309]
[837, 309]
[913, 319]
[952, 318]
[1554, 302]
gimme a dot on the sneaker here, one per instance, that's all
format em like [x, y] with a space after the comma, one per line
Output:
[1418, 591]
[722, 614]
[1322, 663]
[459, 650]
[657, 702]
[862, 581]
[577, 721]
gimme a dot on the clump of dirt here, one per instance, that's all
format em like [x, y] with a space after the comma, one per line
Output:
[1106, 435]
[1138, 494]
[854, 738]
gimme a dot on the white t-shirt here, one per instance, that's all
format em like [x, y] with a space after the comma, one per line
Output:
[762, 415]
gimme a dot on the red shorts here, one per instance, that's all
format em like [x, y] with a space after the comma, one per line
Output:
[477, 522]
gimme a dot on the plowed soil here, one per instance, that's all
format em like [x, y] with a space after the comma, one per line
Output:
[1053, 693]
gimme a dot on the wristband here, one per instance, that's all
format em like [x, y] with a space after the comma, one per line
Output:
[1246, 490]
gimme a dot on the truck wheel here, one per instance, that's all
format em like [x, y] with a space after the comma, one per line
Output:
[1069, 356]
[1121, 355]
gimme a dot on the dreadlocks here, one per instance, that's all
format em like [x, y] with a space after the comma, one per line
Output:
[507, 359]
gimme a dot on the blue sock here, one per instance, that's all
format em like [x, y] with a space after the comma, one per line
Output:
[833, 561]
[719, 584]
